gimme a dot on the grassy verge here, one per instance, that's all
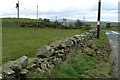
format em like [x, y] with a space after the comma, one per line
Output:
[81, 65]
[113, 28]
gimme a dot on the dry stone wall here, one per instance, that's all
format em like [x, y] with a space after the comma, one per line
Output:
[47, 57]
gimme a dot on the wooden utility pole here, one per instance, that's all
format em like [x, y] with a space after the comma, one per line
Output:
[56, 21]
[37, 17]
[98, 20]
[37, 12]
[56, 18]
[17, 7]
[84, 18]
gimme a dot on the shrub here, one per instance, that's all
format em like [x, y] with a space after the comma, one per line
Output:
[87, 27]
[108, 25]
[78, 24]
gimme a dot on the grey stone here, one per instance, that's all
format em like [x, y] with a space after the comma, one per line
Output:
[73, 40]
[52, 50]
[55, 53]
[59, 51]
[54, 59]
[35, 61]
[67, 42]
[59, 61]
[48, 48]
[62, 51]
[10, 77]
[23, 61]
[8, 71]
[40, 70]
[61, 55]
[31, 67]
[82, 35]
[77, 36]
[56, 43]
[40, 60]
[24, 71]
[98, 52]
[1, 77]
[5, 66]
[62, 45]
[46, 62]
[44, 52]
[44, 67]
[32, 60]
[16, 66]
[50, 66]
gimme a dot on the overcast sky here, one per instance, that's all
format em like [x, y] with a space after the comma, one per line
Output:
[69, 9]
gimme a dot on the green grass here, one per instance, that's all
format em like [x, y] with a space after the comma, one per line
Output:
[76, 66]
[18, 41]
[103, 41]
[112, 28]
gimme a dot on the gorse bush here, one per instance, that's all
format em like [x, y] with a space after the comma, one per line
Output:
[46, 23]
[87, 27]
[108, 25]
[78, 24]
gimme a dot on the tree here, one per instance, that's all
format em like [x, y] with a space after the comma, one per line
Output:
[108, 25]
[78, 24]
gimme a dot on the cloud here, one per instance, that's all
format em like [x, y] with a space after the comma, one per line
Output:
[74, 9]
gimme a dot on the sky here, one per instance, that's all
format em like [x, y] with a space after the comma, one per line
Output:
[69, 9]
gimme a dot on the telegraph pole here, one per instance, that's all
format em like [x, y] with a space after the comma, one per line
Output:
[98, 20]
[56, 18]
[37, 16]
[17, 7]
[37, 12]
[84, 18]
[56, 21]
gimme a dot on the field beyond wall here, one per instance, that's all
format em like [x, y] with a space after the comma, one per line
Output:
[18, 41]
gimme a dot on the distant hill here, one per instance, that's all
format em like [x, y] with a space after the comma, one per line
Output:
[68, 20]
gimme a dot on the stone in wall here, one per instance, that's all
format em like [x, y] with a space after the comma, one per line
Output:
[12, 70]
[23, 61]
[45, 51]
[55, 44]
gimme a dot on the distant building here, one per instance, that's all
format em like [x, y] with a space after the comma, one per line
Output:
[65, 23]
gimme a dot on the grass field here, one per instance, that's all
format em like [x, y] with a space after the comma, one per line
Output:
[18, 41]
